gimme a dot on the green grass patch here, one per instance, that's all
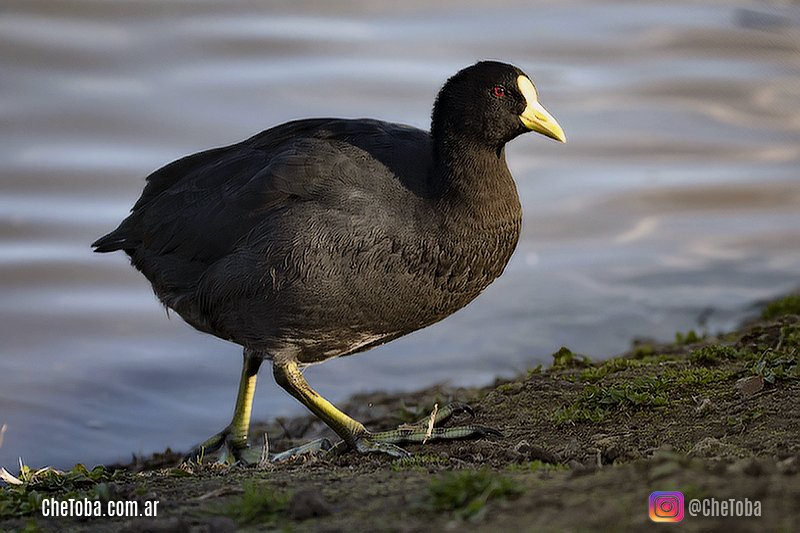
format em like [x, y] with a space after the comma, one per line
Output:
[661, 358]
[535, 370]
[259, 503]
[781, 362]
[597, 401]
[509, 388]
[26, 497]
[790, 338]
[695, 376]
[611, 366]
[788, 305]
[536, 466]
[713, 354]
[690, 337]
[643, 349]
[565, 358]
[466, 493]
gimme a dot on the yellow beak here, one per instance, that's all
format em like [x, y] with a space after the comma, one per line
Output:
[535, 117]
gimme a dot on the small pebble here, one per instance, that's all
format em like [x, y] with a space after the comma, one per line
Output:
[749, 386]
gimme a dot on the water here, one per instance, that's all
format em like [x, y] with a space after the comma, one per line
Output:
[677, 195]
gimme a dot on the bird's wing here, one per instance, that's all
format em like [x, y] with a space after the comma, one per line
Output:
[202, 204]
[199, 207]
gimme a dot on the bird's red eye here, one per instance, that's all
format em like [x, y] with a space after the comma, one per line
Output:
[499, 91]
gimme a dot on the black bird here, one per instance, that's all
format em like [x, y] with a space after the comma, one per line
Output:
[321, 238]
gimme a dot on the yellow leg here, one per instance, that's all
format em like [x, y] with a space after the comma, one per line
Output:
[353, 433]
[288, 376]
[240, 424]
[234, 436]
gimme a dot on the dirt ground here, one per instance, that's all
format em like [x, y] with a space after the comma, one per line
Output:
[583, 446]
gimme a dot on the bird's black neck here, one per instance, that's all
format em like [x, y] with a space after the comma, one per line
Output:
[473, 177]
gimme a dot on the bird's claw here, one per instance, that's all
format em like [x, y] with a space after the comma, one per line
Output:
[420, 432]
[223, 448]
[366, 444]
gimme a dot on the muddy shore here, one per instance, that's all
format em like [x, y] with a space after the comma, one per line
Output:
[584, 444]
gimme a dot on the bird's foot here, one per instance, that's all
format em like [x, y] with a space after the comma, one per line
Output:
[224, 448]
[371, 443]
[423, 431]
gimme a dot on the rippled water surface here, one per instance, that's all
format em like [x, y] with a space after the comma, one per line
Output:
[676, 197]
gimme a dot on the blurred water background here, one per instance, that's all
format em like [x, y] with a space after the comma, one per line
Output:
[674, 205]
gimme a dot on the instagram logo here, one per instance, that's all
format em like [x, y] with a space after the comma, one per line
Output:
[666, 506]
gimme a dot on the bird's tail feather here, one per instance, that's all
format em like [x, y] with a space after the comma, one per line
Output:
[111, 243]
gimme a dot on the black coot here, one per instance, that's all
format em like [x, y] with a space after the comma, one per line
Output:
[321, 238]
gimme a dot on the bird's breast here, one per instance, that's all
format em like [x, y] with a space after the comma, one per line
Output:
[471, 260]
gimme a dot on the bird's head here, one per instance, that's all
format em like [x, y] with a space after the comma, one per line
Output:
[491, 103]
